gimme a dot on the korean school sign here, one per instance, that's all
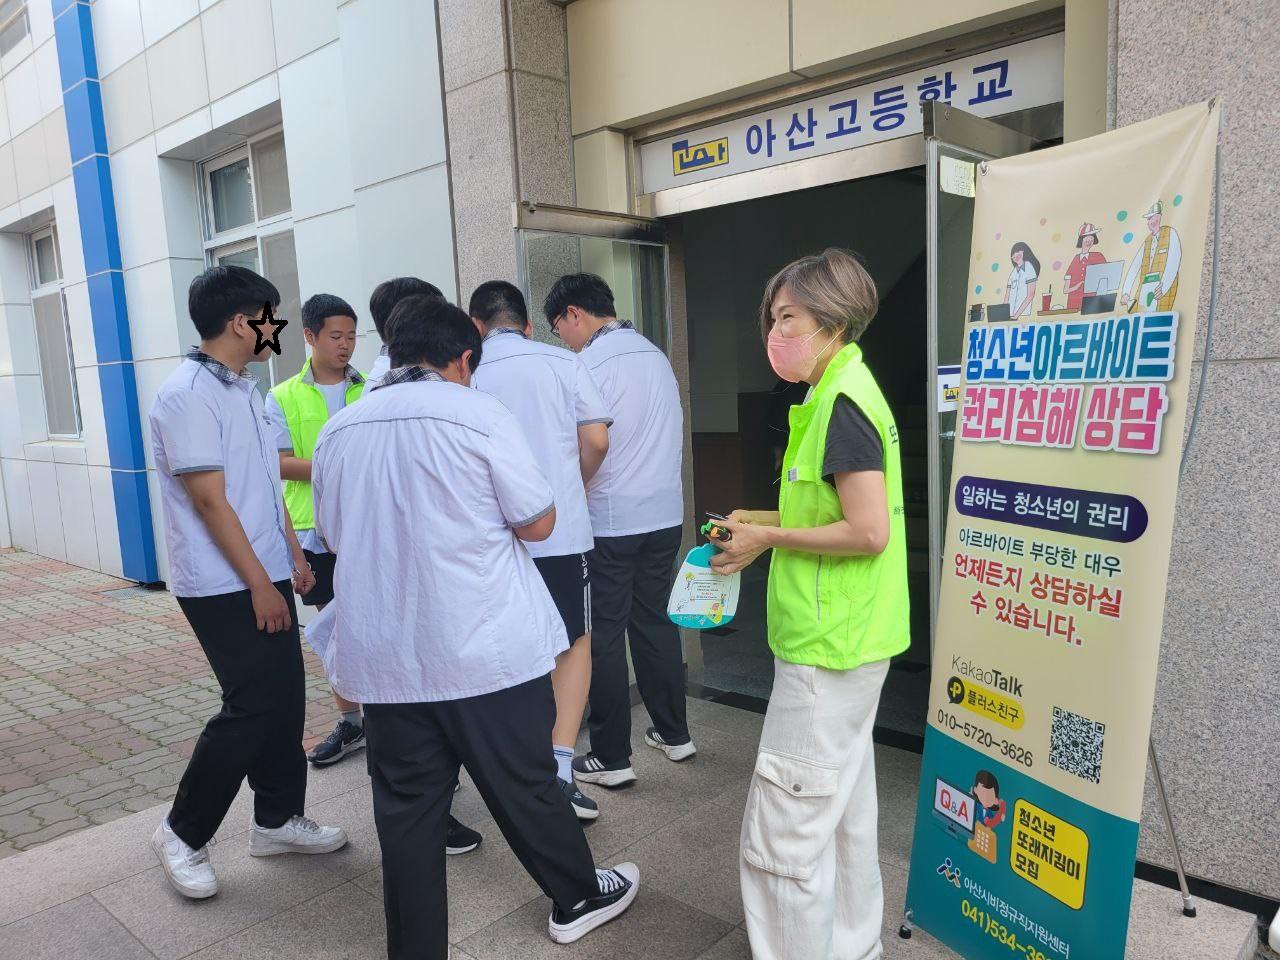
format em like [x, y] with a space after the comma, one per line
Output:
[1061, 515]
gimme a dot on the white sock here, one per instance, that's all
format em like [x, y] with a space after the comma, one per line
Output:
[564, 761]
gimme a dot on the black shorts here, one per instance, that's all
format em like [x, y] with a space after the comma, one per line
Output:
[569, 584]
[322, 566]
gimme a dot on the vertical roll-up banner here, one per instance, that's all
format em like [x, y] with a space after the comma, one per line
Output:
[1079, 329]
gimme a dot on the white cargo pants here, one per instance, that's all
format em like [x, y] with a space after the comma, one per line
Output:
[810, 861]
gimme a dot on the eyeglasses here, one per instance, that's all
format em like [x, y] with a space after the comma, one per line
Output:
[555, 322]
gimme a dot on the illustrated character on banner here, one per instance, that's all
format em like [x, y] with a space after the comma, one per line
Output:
[1022, 280]
[1152, 280]
[988, 813]
[1080, 263]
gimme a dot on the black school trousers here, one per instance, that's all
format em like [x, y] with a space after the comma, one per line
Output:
[504, 741]
[631, 580]
[258, 732]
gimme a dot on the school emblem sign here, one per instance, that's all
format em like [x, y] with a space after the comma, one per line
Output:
[1071, 408]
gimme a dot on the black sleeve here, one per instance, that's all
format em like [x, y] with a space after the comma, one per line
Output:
[853, 443]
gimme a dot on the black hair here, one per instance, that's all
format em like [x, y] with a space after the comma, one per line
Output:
[390, 292]
[497, 302]
[319, 307]
[431, 330]
[586, 291]
[221, 292]
[1027, 256]
[985, 778]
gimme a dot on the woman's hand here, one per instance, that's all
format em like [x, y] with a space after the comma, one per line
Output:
[304, 580]
[748, 542]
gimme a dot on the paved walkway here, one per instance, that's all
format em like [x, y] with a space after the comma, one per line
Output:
[103, 691]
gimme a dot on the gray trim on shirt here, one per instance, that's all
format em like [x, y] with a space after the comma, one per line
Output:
[201, 469]
[537, 516]
[607, 421]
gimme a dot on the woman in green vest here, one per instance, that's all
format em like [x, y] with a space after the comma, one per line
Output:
[837, 611]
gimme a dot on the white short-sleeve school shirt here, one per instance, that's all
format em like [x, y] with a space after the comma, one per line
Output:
[638, 487]
[417, 488]
[207, 417]
[380, 368]
[550, 393]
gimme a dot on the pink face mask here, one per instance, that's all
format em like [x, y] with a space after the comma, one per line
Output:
[792, 358]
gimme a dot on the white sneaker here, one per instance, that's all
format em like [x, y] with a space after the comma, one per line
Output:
[299, 835]
[678, 752]
[188, 870]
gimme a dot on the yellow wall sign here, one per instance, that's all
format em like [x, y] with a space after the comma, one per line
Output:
[1050, 853]
[709, 153]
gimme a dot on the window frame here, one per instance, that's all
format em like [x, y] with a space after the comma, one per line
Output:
[18, 16]
[252, 234]
[41, 291]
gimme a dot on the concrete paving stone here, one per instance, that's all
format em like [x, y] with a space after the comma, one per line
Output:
[78, 930]
[695, 859]
[725, 718]
[33, 838]
[250, 889]
[734, 946]
[1159, 931]
[921, 946]
[655, 926]
[344, 923]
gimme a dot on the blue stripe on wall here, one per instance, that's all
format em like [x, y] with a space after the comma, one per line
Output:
[100, 240]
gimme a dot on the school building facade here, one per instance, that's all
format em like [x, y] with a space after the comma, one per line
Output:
[331, 144]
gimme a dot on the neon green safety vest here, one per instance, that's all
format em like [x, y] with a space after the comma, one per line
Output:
[305, 413]
[829, 611]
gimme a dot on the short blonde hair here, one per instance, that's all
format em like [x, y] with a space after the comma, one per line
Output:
[834, 286]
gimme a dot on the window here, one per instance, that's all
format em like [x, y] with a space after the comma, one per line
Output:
[53, 338]
[13, 24]
[248, 224]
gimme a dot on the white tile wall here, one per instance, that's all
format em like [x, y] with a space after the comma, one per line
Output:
[157, 513]
[367, 344]
[301, 26]
[80, 323]
[47, 510]
[329, 259]
[31, 161]
[20, 52]
[22, 96]
[183, 272]
[56, 146]
[6, 537]
[153, 311]
[313, 102]
[79, 531]
[161, 17]
[150, 376]
[176, 70]
[181, 203]
[117, 33]
[392, 73]
[5, 134]
[39, 451]
[31, 409]
[405, 228]
[67, 215]
[245, 100]
[239, 44]
[126, 103]
[40, 21]
[104, 520]
[17, 496]
[93, 426]
[8, 177]
[135, 178]
[10, 427]
[15, 280]
[18, 352]
[40, 202]
[183, 131]
[48, 76]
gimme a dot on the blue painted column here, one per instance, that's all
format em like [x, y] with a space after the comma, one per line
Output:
[100, 239]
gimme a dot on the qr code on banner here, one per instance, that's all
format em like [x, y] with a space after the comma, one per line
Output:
[1075, 744]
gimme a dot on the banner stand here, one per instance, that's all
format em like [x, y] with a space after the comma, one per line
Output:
[1188, 901]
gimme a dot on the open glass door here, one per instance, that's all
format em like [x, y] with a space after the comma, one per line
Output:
[630, 253]
[956, 144]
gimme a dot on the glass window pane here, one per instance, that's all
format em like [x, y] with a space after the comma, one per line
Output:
[635, 272]
[230, 197]
[12, 34]
[271, 176]
[281, 265]
[46, 261]
[247, 257]
[56, 366]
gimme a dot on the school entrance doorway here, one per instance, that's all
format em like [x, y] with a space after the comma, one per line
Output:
[692, 275]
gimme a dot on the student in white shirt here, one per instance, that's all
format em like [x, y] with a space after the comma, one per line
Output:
[232, 553]
[383, 300]
[637, 507]
[564, 419]
[450, 636]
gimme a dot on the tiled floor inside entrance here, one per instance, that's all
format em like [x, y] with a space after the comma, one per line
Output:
[99, 894]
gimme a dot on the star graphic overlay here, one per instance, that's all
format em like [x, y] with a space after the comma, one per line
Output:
[267, 330]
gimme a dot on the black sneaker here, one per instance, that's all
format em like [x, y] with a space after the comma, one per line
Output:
[591, 769]
[583, 806]
[618, 887]
[345, 738]
[461, 839]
